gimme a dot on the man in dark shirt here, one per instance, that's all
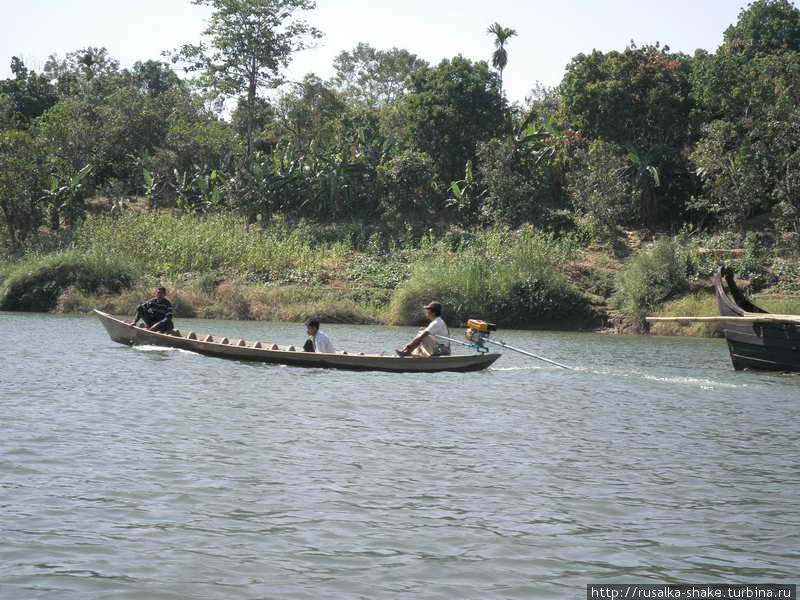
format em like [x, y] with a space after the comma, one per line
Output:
[156, 313]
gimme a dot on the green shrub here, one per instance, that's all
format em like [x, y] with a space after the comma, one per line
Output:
[649, 278]
[787, 272]
[35, 284]
[514, 279]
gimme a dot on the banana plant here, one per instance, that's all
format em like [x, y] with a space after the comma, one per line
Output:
[259, 188]
[209, 188]
[150, 187]
[200, 191]
[65, 197]
[467, 193]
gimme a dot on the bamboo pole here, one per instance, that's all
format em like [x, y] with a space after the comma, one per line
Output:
[749, 318]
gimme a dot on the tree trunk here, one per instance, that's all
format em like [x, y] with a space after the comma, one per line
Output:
[13, 246]
[55, 219]
[251, 106]
[648, 208]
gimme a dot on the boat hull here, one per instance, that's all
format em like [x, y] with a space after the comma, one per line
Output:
[757, 345]
[122, 333]
[763, 347]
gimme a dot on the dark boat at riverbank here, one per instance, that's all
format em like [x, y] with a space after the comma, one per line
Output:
[222, 347]
[756, 339]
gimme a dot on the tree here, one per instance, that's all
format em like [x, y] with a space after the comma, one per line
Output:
[28, 94]
[639, 99]
[452, 108]
[500, 56]
[9, 118]
[599, 187]
[307, 112]
[22, 179]
[90, 62]
[732, 82]
[72, 133]
[81, 72]
[375, 77]
[65, 197]
[250, 42]
[638, 96]
[765, 26]
[643, 171]
[262, 117]
[747, 156]
[523, 174]
[153, 78]
[719, 86]
[405, 182]
[127, 129]
[732, 173]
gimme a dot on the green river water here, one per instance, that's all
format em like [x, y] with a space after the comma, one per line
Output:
[149, 473]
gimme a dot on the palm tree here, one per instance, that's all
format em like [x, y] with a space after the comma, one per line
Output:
[500, 56]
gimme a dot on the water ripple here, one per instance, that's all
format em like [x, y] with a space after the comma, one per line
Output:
[145, 473]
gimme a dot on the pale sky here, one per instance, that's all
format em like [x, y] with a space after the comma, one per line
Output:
[549, 32]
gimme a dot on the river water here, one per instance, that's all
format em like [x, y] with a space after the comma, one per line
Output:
[146, 473]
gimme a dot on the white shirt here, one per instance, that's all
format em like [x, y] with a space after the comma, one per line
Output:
[437, 328]
[322, 343]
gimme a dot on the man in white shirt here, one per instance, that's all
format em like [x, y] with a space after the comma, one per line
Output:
[318, 341]
[430, 341]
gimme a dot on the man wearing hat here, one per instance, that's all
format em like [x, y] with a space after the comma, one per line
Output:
[430, 341]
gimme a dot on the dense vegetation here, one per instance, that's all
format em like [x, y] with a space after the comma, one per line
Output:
[398, 180]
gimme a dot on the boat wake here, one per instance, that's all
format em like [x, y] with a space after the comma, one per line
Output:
[161, 349]
[532, 368]
[707, 384]
[701, 382]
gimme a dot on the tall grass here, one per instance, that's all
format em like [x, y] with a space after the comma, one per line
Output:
[35, 283]
[705, 305]
[781, 305]
[512, 278]
[173, 246]
[287, 303]
[108, 254]
[702, 304]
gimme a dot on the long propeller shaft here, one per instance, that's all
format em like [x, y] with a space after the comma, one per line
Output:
[508, 347]
[526, 353]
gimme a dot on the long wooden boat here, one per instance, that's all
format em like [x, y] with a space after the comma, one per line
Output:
[756, 339]
[222, 347]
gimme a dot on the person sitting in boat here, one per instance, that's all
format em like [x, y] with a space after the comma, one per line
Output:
[431, 341]
[156, 313]
[317, 341]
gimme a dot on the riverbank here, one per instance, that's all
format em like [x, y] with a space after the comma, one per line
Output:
[704, 304]
[215, 266]
[235, 301]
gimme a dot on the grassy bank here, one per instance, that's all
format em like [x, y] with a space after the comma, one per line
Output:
[37, 283]
[216, 266]
[241, 301]
[704, 304]
[515, 279]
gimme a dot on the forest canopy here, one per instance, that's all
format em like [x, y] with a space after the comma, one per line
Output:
[637, 138]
